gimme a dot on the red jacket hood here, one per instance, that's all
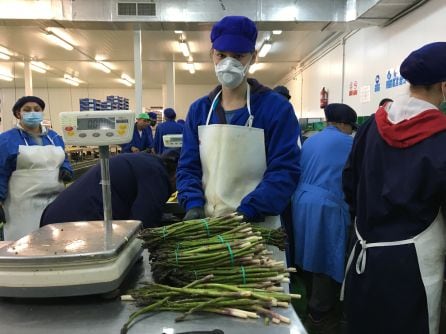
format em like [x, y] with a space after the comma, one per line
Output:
[410, 131]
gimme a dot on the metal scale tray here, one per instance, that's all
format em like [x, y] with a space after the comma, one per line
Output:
[69, 259]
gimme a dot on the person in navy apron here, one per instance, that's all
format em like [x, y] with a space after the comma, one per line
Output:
[395, 182]
[320, 215]
[33, 168]
[240, 148]
[142, 139]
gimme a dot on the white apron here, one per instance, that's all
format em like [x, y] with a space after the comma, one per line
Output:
[430, 246]
[32, 186]
[233, 162]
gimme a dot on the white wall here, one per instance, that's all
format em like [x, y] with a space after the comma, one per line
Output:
[369, 52]
[67, 99]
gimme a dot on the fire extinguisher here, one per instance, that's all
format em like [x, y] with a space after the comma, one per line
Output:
[324, 98]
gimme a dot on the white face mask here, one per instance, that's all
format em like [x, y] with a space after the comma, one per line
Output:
[230, 72]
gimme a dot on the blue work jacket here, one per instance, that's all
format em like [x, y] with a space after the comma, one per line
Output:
[276, 117]
[169, 127]
[320, 214]
[9, 149]
[143, 142]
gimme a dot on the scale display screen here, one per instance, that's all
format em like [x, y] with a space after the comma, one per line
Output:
[102, 123]
[98, 127]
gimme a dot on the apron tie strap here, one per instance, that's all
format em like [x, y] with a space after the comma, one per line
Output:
[362, 256]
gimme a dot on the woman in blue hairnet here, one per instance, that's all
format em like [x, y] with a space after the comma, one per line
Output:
[33, 167]
[395, 182]
[240, 148]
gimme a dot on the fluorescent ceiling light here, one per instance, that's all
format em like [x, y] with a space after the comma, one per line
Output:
[71, 80]
[69, 77]
[4, 56]
[265, 49]
[127, 78]
[38, 66]
[6, 77]
[184, 48]
[277, 32]
[101, 66]
[59, 41]
[125, 82]
[253, 68]
[191, 67]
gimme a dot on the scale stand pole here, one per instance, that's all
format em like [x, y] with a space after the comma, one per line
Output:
[104, 155]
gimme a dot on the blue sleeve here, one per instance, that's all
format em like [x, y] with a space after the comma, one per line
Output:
[58, 141]
[153, 191]
[189, 173]
[150, 137]
[8, 160]
[126, 148]
[157, 140]
[280, 180]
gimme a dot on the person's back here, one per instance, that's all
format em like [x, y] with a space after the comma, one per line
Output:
[169, 127]
[139, 187]
[323, 157]
[395, 182]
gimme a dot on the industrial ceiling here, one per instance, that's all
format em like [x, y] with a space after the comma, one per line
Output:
[103, 30]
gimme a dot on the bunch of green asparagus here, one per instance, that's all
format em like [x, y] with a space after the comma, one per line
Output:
[218, 265]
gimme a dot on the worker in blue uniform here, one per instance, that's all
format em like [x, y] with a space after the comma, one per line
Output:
[240, 148]
[395, 182]
[153, 118]
[320, 215]
[141, 184]
[142, 139]
[33, 168]
[168, 127]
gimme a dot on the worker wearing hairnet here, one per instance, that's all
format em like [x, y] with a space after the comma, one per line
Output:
[168, 127]
[141, 184]
[33, 167]
[321, 217]
[395, 182]
[142, 139]
[153, 117]
[240, 148]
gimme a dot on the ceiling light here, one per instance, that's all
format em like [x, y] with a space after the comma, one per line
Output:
[277, 32]
[38, 66]
[253, 68]
[184, 48]
[58, 40]
[101, 66]
[191, 67]
[6, 77]
[265, 49]
[127, 78]
[4, 56]
[125, 82]
[71, 80]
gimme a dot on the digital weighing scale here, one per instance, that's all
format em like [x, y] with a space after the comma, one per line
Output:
[77, 258]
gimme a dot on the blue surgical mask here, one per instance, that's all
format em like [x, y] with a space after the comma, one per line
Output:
[230, 72]
[32, 118]
[442, 106]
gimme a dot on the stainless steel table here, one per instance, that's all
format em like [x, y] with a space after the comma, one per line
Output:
[96, 314]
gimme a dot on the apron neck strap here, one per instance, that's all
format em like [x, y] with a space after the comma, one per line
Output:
[248, 105]
[22, 133]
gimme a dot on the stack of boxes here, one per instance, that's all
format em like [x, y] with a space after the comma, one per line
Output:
[89, 104]
[113, 102]
[118, 102]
